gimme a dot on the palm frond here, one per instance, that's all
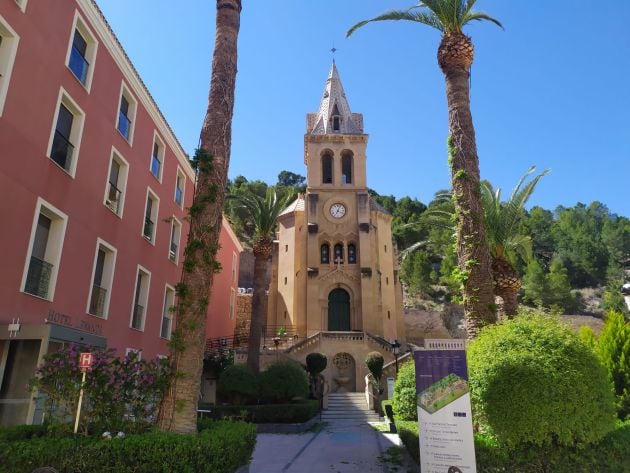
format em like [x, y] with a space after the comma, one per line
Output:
[480, 16]
[264, 211]
[410, 249]
[426, 18]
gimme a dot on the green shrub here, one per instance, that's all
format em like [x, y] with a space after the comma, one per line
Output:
[316, 363]
[386, 407]
[283, 381]
[293, 413]
[237, 385]
[375, 362]
[613, 349]
[22, 432]
[533, 381]
[404, 401]
[610, 455]
[221, 448]
[408, 433]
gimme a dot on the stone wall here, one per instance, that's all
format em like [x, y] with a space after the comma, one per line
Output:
[243, 313]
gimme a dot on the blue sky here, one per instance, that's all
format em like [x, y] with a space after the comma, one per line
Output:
[552, 90]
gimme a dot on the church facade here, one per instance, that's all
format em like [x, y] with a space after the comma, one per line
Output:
[334, 270]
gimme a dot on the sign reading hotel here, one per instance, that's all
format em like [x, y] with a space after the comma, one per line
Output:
[444, 414]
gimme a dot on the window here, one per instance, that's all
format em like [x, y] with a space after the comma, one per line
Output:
[82, 52]
[327, 169]
[232, 302]
[336, 119]
[338, 253]
[346, 167]
[157, 157]
[167, 313]
[126, 114]
[352, 254]
[180, 184]
[234, 259]
[325, 253]
[8, 48]
[116, 183]
[140, 299]
[150, 216]
[66, 134]
[176, 231]
[44, 255]
[103, 276]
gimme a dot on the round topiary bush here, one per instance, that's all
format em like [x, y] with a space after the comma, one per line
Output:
[375, 362]
[533, 381]
[404, 401]
[283, 381]
[237, 385]
[316, 363]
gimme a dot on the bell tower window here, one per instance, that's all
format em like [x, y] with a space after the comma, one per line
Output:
[346, 167]
[325, 253]
[338, 253]
[352, 254]
[327, 169]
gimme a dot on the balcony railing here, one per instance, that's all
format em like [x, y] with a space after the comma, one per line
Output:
[148, 229]
[97, 302]
[78, 65]
[62, 151]
[38, 277]
[172, 254]
[113, 198]
[124, 125]
[138, 317]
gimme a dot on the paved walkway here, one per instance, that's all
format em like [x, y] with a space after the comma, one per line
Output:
[340, 447]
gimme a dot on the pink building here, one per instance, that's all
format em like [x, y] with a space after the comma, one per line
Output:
[96, 188]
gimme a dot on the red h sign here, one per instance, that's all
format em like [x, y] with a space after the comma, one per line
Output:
[85, 361]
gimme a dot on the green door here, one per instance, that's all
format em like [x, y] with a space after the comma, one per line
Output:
[338, 311]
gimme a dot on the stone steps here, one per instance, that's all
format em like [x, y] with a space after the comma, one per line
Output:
[348, 407]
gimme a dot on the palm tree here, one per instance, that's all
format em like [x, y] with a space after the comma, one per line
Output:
[179, 407]
[504, 238]
[263, 213]
[455, 57]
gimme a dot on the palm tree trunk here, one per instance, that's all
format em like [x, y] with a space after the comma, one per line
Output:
[510, 302]
[261, 258]
[472, 248]
[178, 412]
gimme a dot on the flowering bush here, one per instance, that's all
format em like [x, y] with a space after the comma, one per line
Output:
[119, 394]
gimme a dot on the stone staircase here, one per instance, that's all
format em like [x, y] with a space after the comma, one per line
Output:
[348, 407]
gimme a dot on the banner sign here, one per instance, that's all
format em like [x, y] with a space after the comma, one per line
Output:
[444, 414]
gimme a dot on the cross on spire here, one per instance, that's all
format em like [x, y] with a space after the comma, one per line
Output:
[333, 50]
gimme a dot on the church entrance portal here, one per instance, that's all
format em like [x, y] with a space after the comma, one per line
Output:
[338, 311]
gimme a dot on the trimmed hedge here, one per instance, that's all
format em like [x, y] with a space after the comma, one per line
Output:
[283, 381]
[238, 385]
[533, 381]
[221, 447]
[610, 455]
[405, 399]
[293, 413]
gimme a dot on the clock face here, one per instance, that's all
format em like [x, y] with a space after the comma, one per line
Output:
[337, 210]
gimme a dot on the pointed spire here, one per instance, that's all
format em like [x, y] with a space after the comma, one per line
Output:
[334, 116]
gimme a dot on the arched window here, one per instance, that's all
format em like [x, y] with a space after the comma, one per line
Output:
[327, 169]
[346, 167]
[352, 254]
[338, 253]
[325, 253]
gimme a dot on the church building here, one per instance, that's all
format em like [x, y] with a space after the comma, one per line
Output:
[335, 273]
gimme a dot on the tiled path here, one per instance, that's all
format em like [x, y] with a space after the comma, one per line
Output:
[340, 447]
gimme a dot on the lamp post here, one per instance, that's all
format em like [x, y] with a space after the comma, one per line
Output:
[396, 351]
